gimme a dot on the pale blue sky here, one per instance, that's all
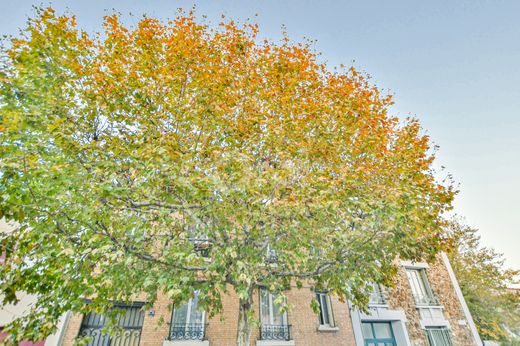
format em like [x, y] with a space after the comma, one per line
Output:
[453, 64]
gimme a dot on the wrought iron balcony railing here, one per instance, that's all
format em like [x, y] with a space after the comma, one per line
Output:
[190, 331]
[275, 332]
[426, 300]
[125, 337]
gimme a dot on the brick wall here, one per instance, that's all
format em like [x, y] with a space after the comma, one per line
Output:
[72, 329]
[222, 329]
[305, 322]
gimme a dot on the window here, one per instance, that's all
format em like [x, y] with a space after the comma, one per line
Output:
[421, 290]
[378, 334]
[129, 321]
[200, 241]
[270, 254]
[325, 317]
[438, 336]
[188, 321]
[273, 321]
[377, 297]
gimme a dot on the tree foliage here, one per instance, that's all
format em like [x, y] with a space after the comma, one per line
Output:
[122, 152]
[486, 285]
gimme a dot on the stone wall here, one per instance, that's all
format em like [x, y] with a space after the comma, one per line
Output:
[400, 298]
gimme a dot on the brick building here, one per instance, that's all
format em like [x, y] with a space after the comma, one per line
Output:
[425, 307]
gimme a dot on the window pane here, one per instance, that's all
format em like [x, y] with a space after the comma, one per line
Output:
[180, 314]
[367, 330]
[277, 315]
[439, 336]
[264, 307]
[416, 278]
[269, 310]
[197, 314]
[382, 330]
[325, 308]
[376, 296]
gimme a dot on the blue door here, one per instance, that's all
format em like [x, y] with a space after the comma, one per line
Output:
[378, 334]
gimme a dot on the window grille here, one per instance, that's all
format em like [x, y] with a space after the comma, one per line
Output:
[129, 324]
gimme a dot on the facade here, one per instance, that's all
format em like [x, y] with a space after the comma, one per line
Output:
[9, 312]
[425, 308]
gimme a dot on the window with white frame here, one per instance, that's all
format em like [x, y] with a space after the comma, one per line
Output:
[272, 318]
[325, 317]
[270, 313]
[376, 296]
[421, 290]
[188, 321]
[438, 336]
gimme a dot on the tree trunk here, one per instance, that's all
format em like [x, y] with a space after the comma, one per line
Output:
[244, 325]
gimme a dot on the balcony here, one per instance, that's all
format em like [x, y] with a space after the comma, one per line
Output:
[125, 337]
[201, 244]
[190, 331]
[275, 332]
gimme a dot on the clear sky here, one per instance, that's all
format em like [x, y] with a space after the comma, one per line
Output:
[453, 64]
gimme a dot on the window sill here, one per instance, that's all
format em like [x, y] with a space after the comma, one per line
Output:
[378, 305]
[327, 329]
[274, 342]
[428, 305]
[185, 343]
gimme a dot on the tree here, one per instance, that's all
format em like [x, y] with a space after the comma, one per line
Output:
[485, 284]
[123, 152]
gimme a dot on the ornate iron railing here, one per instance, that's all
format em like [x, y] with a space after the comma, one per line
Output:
[127, 332]
[190, 331]
[200, 242]
[275, 332]
[124, 337]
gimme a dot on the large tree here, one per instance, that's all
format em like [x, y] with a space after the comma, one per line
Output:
[486, 284]
[122, 152]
